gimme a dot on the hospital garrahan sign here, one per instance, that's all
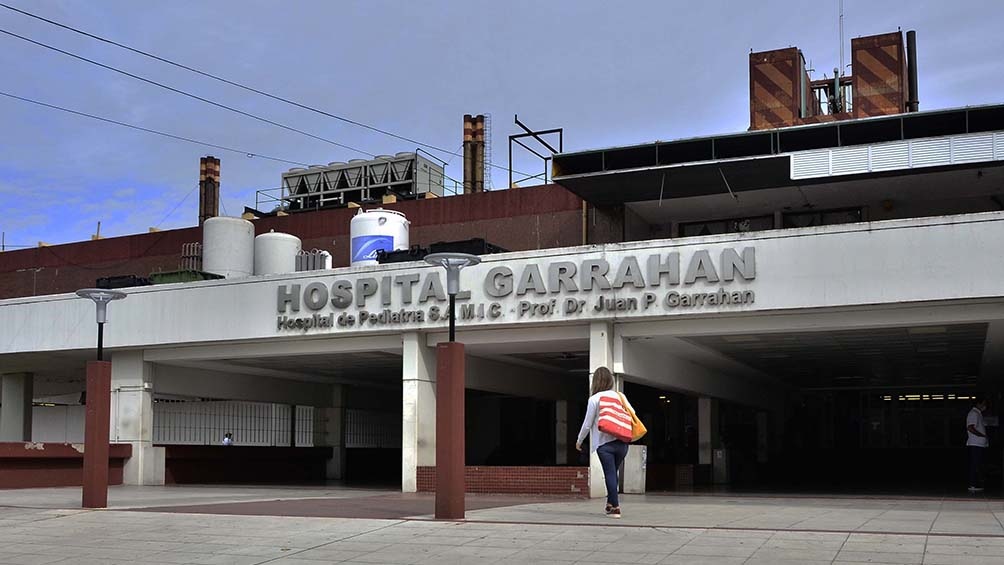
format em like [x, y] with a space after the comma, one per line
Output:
[523, 290]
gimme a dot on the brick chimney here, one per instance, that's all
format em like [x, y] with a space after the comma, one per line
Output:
[882, 82]
[474, 153]
[209, 188]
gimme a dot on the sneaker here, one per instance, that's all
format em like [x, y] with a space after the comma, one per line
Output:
[614, 512]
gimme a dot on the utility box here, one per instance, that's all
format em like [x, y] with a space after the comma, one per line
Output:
[633, 481]
[720, 467]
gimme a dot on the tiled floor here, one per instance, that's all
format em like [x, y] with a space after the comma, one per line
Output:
[655, 529]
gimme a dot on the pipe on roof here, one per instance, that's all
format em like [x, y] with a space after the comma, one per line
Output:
[913, 104]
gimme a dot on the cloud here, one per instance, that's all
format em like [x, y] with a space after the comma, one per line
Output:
[609, 74]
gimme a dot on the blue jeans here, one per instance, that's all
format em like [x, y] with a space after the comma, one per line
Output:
[611, 456]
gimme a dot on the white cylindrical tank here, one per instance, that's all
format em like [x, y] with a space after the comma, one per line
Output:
[325, 260]
[372, 230]
[228, 247]
[275, 253]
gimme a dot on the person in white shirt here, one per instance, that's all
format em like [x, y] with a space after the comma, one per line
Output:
[228, 439]
[976, 443]
[610, 450]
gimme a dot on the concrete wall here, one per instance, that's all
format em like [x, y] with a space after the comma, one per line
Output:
[58, 424]
[894, 262]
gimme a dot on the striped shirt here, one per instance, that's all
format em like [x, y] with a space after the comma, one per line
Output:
[591, 422]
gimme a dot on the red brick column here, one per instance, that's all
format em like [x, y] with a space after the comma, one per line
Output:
[99, 381]
[450, 431]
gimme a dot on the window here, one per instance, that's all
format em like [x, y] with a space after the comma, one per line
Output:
[735, 225]
[822, 218]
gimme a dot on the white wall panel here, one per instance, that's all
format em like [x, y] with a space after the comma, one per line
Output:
[897, 261]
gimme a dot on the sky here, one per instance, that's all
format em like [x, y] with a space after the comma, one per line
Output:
[609, 73]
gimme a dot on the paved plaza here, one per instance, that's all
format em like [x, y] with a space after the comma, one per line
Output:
[236, 525]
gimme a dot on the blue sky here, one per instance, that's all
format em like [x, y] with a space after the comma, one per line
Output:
[610, 73]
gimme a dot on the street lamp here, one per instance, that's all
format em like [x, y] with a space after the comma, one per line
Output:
[450, 399]
[101, 298]
[452, 262]
[96, 415]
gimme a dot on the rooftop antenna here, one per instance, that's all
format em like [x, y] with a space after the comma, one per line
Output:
[841, 26]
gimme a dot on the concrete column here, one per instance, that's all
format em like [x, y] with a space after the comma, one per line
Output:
[132, 418]
[993, 359]
[707, 429]
[94, 493]
[418, 437]
[15, 406]
[450, 431]
[561, 432]
[762, 436]
[333, 430]
[601, 354]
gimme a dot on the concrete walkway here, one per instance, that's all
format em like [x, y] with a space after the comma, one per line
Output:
[45, 527]
[899, 515]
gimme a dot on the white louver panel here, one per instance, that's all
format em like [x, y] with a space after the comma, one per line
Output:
[930, 152]
[849, 161]
[891, 156]
[912, 154]
[810, 164]
[973, 149]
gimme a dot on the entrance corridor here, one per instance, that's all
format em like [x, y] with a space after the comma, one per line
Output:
[865, 411]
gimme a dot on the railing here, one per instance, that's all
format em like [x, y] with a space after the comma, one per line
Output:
[251, 423]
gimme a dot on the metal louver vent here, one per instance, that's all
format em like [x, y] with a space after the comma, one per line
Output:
[896, 155]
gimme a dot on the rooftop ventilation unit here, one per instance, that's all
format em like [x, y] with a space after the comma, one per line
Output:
[404, 175]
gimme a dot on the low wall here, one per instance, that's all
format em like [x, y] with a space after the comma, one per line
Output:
[553, 481]
[30, 465]
[195, 464]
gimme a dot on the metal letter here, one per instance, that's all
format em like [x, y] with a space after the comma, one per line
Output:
[561, 275]
[657, 269]
[432, 287]
[406, 282]
[531, 280]
[629, 271]
[315, 296]
[364, 288]
[385, 289]
[594, 271]
[498, 282]
[701, 267]
[341, 294]
[746, 265]
[288, 294]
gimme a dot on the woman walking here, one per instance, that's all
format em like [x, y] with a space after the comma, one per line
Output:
[606, 403]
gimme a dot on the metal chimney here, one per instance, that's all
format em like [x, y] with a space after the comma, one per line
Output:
[913, 103]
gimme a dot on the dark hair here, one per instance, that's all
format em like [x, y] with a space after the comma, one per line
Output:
[603, 380]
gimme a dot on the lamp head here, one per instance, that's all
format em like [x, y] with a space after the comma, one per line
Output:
[101, 298]
[452, 262]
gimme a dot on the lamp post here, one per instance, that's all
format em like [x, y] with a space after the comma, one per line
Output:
[99, 377]
[101, 298]
[452, 262]
[450, 398]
